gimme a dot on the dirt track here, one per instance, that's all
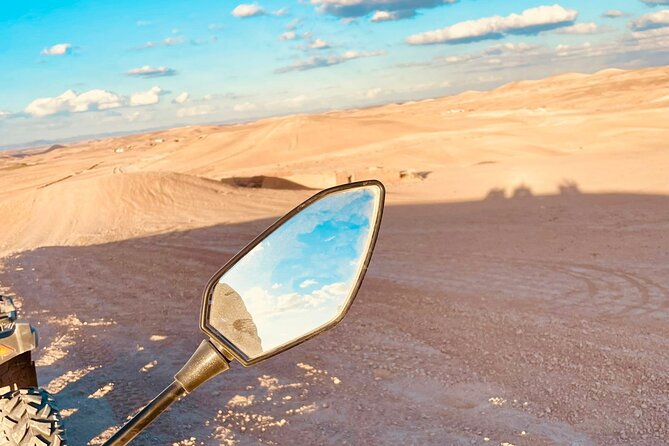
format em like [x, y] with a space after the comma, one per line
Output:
[530, 321]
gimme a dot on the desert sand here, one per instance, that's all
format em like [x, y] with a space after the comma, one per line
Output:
[519, 293]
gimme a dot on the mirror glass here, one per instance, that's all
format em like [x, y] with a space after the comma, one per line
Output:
[301, 277]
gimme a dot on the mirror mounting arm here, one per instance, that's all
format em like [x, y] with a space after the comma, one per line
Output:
[206, 363]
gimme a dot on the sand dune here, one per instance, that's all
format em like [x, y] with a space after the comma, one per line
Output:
[84, 209]
[538, 300]
[576, 127]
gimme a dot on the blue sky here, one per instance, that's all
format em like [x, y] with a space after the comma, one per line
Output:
[300, 276]
[73, 68]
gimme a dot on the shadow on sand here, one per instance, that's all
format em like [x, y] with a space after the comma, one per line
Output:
[449, 290]
[521, 192]
[265, 182]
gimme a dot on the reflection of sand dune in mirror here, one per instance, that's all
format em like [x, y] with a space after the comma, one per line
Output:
[231, 318]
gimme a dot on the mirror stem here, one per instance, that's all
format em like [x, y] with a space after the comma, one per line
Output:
[133, 427]
[205, 363]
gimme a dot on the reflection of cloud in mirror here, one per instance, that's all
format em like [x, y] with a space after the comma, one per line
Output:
[262, 304]
[307, 283]
[300, 277]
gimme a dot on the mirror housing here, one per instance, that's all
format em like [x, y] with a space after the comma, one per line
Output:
[233, 351]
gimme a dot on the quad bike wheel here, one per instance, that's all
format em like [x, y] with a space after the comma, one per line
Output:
[28, 417]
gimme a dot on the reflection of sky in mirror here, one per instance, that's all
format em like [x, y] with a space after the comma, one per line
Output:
[300, 276]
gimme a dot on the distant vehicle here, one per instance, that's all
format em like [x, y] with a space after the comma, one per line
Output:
[317, 255]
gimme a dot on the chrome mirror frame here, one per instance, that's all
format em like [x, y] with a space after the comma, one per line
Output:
[227, 347]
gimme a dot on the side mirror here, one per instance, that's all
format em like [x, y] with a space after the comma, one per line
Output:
[294, 281]
[298, 278]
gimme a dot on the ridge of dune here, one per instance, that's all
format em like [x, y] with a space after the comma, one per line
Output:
[100, 208]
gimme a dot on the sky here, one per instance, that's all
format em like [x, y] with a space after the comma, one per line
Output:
[299, 277]
[72, 69]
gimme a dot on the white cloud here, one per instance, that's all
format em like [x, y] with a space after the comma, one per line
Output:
[197, 110]
[399, 9]
[653, 20]
[182, 98]
[99, 99]
[488, 78]
[143, 23]
[149, 97]
[245, 107]
[148, 71]
[171, 41]
[384, 16]
[92, 100]
[374, 93]
[428, 86]
[204, 41]
[288, 35]
[656, 38]
[71, 102]
[507, 49]
[245, 11]
[580, 28]
[326, 61]
[649, 44]
[572, 50]
[613, 14]
[133, 117]
[530, 21]
[60, 49]
[307, 283]
[656, 2]
[294, 102]
[319, 44]
[649, 41]
[460, 59]
[390, 16]
[518, 48]
[290, 26]
[248, 10]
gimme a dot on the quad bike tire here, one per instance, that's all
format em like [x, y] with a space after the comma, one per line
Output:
[28, 417]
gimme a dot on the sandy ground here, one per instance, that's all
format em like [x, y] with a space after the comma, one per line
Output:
[519, 294]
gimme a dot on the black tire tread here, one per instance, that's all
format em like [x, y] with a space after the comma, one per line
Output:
[29, 417]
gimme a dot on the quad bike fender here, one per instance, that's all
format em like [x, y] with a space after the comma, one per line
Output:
[20, 339]
[17, 341]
